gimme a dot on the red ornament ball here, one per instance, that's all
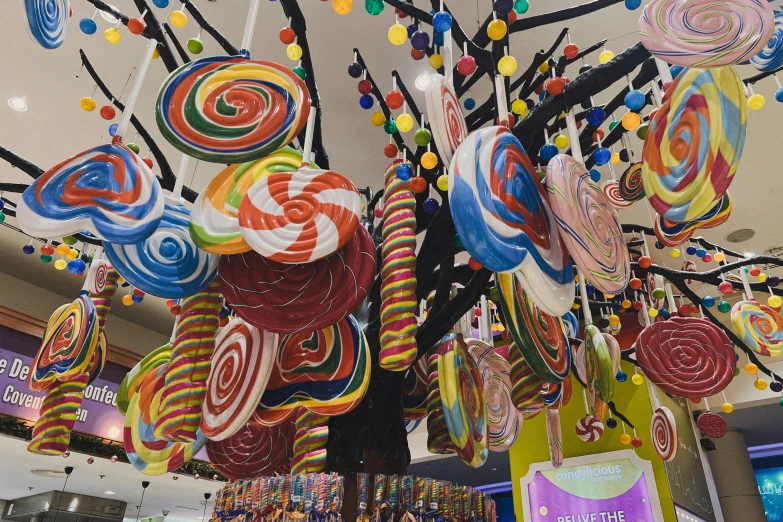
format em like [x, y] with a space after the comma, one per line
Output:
[684, 310]
[555, 86]
[645, 262]
[390, 150]
[108, 112]
[512, 17]
[148, 162]
[90, 460]
[175, 309]
[394, 99]
[136, 26]
[635, 283]
[755, 271]
[287, 35]
[474, 265]
[637, 305]
[378, 212]
[636, 442]
[570, 51]
[539, 89]
[417, 54]
[399, 12]
[418, 185]
[466, 65]
[47, 250]
[223, 321]
[598, 134]
[725, 287]
[695, 400]
[707, 258]
[365, 87]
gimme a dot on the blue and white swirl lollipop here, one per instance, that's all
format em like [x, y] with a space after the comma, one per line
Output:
[571, 324]
[167, 264]
[47, 21]
[771, 57]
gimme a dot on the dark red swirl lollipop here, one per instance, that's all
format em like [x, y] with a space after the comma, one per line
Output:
[254, 451]
[294, 298]
[712, 425]
[686, 357]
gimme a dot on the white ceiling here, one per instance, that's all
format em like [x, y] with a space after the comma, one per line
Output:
[55, 127]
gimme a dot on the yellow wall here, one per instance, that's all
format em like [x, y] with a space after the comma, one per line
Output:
[631, 400]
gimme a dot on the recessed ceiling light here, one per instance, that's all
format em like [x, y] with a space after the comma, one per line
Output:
[109, 493]
[18, 103]
[738, 236]
[422, 81]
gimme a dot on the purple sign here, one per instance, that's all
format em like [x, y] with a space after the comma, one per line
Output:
[98, 414]
[614, 491]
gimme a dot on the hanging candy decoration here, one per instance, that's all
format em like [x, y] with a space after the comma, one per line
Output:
[438, 439]
[414, 390]
[672, 234]
[47, 21]
[663, 432]
[445, 116]
[712, 425]
[759, 326]
[770, 58]
[254, 451]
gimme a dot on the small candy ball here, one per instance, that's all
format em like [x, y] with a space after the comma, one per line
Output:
[90, 460]
[378, 212]
[300, 71]
[634, 100]
[760, 384]
[598, 134]
[113, 129]
[751, 369]
[641, 132]
[652, 312]
[571, 51]
[762, 277]
[132, 146]
[635, 283]
[611, 423]
[776, 386]
[625, 438]
[621, 376]
[684, 310]
[429, 161]
[725, 287]
[417, 54]
[708, 301]
[613, 124]
[404, 171]
[773, 280]
[466, 65]
[175, 477]
[521, 6]
[418, 185]
[637, 379]
[420, 40]
[583, 69]
[615, 158]
[779, 95]
[390, 127]
[645, 262]
[496, 29]
[294, 51]
[605, 56]
[614, 320]
[548, 152]
[503, 6]
[88, 25]
[112, 35]
[724, 306]
[377, 118]
[596, 116]
[674, 253]
[68, 240]
[422, 137]
[603, 322]
[28, 249]
[127, 300]
[707, 258]
[555, 86]
[756, 102]
[543, 68]
[754, 271]
[507, 65]
[373, 7]
[76, 267]
[47, 250]
[60, 264]
[636, 442]
[700, 252]
[631, 121]
[342, 7]
[72, 254]
[519, 107]
[431, 205]
[366, 102]
[774, 301]
[46, 259]
[443, 182]
[87, 104]
[287, 35]
[595, 175]
[469, 104]
[727, 407]
[397, 34]
[107, 112]
[355, 70]
[195, 45]
[561, 142]
[626, 303]
[632, 5]
[691, 250]
[390, 150]
[62, 249]
[178, 19]
[436, 61]
[136, 25]
[394, 99]
[147, 161]
[441, 21]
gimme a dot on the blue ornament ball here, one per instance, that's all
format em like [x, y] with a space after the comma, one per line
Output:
[595, 175]
[611, 423]
[596, 116]
[691, 250]
[412, 29]
[584, 68]
[355, 70]
[469, 103]
[700, 252]
[113, 129]
[28, 249]
[224, 312]
[431, 205]
[586, 104]
[624, 156]
[2, 204]
[602, 156]
[503, 6]
[663, 312]
[76, 266]
[708, 301]
[88, 25]
[676, 70]
[437, 38]
[632, 5]
[779, 95]
[621, 376]
[441, 21]
[548, 152]
[86, 258]
[635, 100]
[530, 103]
[137, 298]
[405, 171]
[162, 4]
[589, 289]
[420, 40]
[366, 102]
[617, 306]
[659, 245]
[773, 280]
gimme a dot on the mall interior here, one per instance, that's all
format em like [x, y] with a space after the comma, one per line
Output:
[386, 260]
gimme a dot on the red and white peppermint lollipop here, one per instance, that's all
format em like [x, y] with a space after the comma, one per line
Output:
[712, 425]
[240, 368]
[444, 113]
[686, 357]
[663, 432]
[254, 451]
[298, 217]
[589, 429]
[612, 192]
[96, 276]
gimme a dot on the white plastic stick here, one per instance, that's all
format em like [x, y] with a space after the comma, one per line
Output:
[670, 298]
[500, 97]
[664, 71]
[250, 24]
[585, 302]
[180, 182]
[308, 144]
[745, 284]
[137, 83]
[573, 137]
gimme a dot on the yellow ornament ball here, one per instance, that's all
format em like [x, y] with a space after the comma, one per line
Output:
[127, 300]
[112, 35]
[605, 56]
[378, 118]
[675, 253]
[429, 160]
[436, 61]
[626, 303]
[775, 301]
[756, 102]
[652, 312]
[294, 51]
[507, 65]
[631, 121]
[178, 19]
[62, 249]
[615, 158]
[608, 297]
[404, 122]
[519, 107]
[576, 306]
[762, 277]
[561, 142]
[87, 104]
[625, 439]
[155, 54]
[398, 34]
[727, 407]
[637, 379]
[60, 264]
[543, 68]
[443, 182]
[342, 7]
[719, 257]
[496, 29]
[72, 254]
[751, 368]
[760, 384]
[614, 320]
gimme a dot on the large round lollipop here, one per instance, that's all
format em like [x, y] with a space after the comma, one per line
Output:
[304, 297]
[107, 191]
[695, 143]
[631, 188]
[301, 216]
[671, 233]
[167, 264]
[686, 357]
[526, 386]
[770, 58]
[759, 326]
[47, 21]
[228, 109]
[214, 223]
[706, 33]
[444, 112]
[254, 451]
[663, 432]
[462, 394]
[588, 225]
[503, 218]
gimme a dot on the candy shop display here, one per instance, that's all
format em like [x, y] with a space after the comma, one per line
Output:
[445, 116]
[47, 21]
[230, 109]
[695, 143]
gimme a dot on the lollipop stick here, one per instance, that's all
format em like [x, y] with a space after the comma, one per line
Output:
[134, 93]
[585, 303]
[664, 71]
[657, 94]
[308, 144]
[670, 298]
[745, 285]
[500, 96]
[573, 137]
[250, 24]
[180, 181]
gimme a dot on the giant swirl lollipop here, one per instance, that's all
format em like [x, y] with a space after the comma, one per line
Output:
[253, 451]
[47, 21]
[759, 326]
[770, 58]
[445, 116]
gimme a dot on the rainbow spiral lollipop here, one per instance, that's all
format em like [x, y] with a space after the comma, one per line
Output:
[231, 109]
[398, 272]
[47, 21]
[759, 326]
[672, 234]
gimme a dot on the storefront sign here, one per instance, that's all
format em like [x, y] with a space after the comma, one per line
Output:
[596, 488]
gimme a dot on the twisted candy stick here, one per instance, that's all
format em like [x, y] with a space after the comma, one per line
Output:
[186, 374]
[438, 440]
[398, 271]
[52, 432]
[312, 431]
[102, 300]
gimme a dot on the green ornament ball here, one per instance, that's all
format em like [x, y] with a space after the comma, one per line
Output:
[2, 217]
[422, 137]
[641, 132]
[373, 7]
[133, 147]
[724, 306]
[390, 126]
[494, 294]
[736, 372]
[195, 45]
[46, 259]
[521, 6]
[69, 240]
[612, 125]
[300, 71]
[659, 293]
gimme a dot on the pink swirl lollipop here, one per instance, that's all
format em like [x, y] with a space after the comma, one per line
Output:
[706, 33]
[445, 116]
[613, 193]
[588, 225]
